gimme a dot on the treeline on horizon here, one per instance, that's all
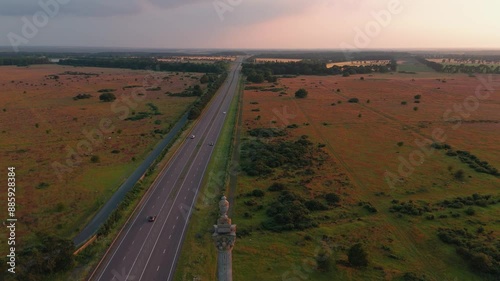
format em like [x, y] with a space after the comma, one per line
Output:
[331, 56]
[258, 72]
[23, 60]
[146, 63]
[118, 62]
[459, 68]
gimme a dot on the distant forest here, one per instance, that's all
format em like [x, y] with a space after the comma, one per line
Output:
[23, 60]
[461, 68]
[113, 61]
[147, 63]
[331, 56]
[260, 72]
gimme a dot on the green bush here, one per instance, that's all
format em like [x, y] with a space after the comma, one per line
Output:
[332, 198]
[276, 187]
[301, 93]
[107, 97]
[357, 255]
[257, 193]
[315, 205]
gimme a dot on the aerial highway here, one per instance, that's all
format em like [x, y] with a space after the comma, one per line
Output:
[148, 250]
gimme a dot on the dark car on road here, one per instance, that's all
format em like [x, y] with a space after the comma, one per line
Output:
[151, 218]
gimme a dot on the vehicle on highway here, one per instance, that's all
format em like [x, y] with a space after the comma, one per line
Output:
[151, 218]
[211, 144]
[192, 136]
[224, 112]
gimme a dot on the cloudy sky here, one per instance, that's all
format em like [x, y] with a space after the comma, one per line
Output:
[281, 24]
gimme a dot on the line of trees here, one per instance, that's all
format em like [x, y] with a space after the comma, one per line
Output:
[23, 60]
[203, 100]
[258, 73]
[147, 63]
[462, 68]
[330, 56]
[459, 68]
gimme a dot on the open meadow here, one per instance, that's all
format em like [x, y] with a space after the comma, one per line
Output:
[382, 154]
[71, 150]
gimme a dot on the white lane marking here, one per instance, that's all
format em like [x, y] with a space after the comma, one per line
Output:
[164, 250]
[184, 197]
[177, 218]
[124, 258]
[153, 207]
[168, 238]
[173, 226]
[133, 242]
[140, 228]
[157, 268]
[158, 197]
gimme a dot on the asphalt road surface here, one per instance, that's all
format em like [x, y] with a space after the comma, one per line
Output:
[149, 251]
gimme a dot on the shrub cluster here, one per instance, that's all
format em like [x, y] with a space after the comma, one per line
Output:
[475, 163]
[143, 114]
[44, 255]
[475, 199]
[409, 208]
[482, 255]
[203, 100]
[82, 96]
[288, 212]
[259, 158]
[468, 158]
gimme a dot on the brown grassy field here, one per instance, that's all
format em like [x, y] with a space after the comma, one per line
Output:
[362, 142]
[40, 123]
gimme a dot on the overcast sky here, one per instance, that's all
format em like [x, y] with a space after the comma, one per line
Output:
[281, 24]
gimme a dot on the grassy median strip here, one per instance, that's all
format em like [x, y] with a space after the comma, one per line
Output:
[198, 260]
